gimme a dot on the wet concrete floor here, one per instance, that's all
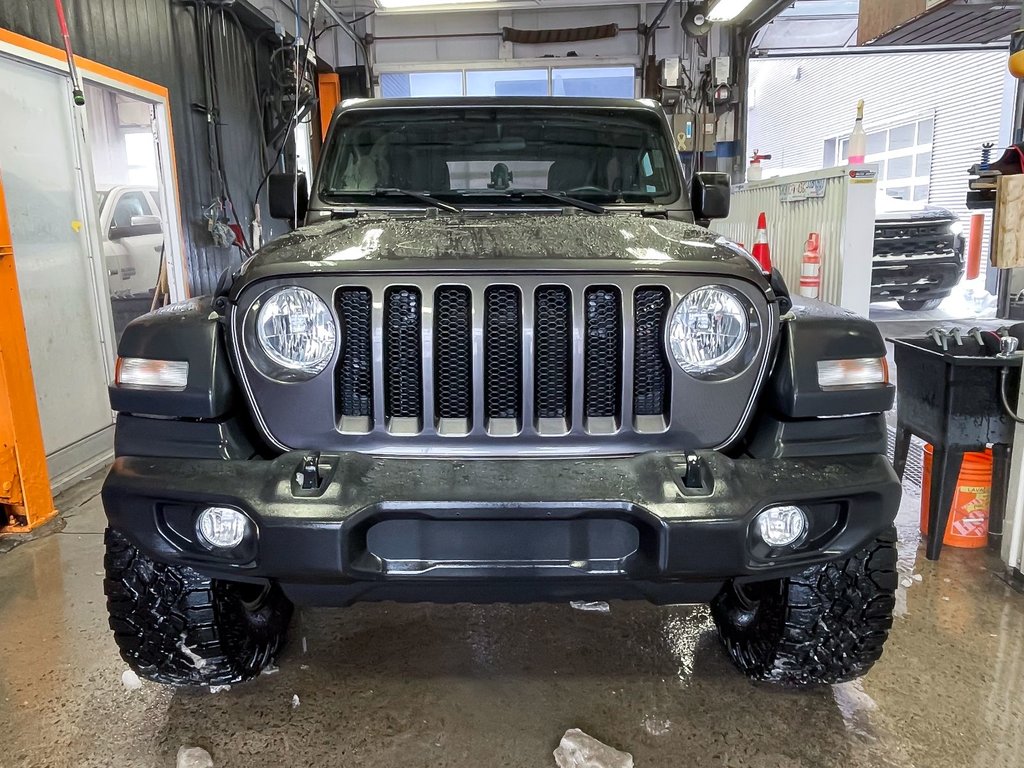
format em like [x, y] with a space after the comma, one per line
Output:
[390, 685]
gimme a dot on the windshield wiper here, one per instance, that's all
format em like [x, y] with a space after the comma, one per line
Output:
[520, 194]
[560, 197]
[395, 192]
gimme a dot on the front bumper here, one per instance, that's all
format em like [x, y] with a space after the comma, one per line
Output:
[894, 278]
[502, 529]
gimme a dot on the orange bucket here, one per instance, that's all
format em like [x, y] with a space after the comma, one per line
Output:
[968, 519]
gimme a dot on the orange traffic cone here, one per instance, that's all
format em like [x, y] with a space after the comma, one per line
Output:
[810, 272]
[762, 253]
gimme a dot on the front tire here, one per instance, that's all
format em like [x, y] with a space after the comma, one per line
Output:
[827, 625]
[919, 305]
[175, 626]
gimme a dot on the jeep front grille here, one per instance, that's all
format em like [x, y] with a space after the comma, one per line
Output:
[503, 364]
[921, 238]
[552, 365]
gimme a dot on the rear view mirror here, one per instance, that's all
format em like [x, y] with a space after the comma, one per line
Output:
[140, 225]
[282, 198]
[710, 196]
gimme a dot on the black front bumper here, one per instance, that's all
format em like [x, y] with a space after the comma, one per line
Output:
[502, 530]
[915, 279]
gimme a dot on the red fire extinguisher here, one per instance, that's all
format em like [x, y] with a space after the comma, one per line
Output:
[810, 271]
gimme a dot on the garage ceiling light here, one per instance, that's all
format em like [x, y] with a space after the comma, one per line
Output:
[727, 10]
[409, 5]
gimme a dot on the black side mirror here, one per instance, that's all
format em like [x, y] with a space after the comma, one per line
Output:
[710, 196]
[140, 225]
[281, 196]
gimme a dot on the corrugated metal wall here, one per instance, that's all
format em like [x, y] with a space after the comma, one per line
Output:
[157, 40]
[837, 222]
[796, 104]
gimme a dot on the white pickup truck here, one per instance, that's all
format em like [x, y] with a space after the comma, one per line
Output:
[131, 228]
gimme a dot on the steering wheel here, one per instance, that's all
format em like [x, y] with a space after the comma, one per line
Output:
[588, 188]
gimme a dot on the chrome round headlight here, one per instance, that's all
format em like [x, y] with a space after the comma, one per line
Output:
[709, 330]
[296, 332]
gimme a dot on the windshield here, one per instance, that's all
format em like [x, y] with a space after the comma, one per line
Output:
[600, 155]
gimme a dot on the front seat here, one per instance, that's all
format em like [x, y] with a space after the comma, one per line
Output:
[570, 173]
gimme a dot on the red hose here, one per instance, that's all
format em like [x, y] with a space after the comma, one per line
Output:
[76, 88]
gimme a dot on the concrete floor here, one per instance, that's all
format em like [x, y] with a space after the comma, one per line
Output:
[389, 685]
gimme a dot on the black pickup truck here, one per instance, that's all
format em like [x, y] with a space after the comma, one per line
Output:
[919, 254]
[501, 362]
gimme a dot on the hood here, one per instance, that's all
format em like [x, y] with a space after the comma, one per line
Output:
[509, 242]
[893, 209]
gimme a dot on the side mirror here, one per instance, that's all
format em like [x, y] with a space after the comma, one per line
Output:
[710, 196]
[140, 225]
[281, 196]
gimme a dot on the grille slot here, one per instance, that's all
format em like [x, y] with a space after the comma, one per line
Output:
[403, 359]
[602, 363]
[923, 238]
[355, 369]
[503, 370]
[650, 364]
[453, 357]
[552, 332]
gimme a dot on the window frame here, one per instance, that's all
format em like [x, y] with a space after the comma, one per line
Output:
[465, 68]
[914, 152]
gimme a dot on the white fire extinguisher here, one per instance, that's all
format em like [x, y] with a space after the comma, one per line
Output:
[810, 271]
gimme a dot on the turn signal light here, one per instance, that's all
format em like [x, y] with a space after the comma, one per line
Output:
[857, 372]
[139, 373]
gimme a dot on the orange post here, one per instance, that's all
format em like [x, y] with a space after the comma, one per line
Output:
[329, 88]
[974, 245]
[25, 499]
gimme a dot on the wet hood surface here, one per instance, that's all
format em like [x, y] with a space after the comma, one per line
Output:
[506, 242]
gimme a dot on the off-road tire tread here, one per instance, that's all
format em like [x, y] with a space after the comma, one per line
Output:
[826, 625]
[157, 611]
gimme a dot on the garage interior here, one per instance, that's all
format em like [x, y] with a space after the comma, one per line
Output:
[152, 152]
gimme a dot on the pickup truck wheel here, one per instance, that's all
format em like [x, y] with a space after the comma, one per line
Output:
[826, 625]
[919, 305]
[175, 626]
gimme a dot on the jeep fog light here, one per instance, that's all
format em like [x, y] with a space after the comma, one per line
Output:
[221, 527]
[782, 526]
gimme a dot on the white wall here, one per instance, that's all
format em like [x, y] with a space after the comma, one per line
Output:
[796, 104]
[431, 44]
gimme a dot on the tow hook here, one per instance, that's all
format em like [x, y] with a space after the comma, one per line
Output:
[308, 476]
[695, 478]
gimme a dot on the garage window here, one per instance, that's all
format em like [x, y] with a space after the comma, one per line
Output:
[903, 153]
[507, 82]
[599, 82]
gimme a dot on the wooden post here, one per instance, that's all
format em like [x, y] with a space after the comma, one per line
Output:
[25, 499]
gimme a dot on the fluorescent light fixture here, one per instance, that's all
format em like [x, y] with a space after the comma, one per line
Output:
[139, 373]
[407, 5]
[727, 10]
[859, 372]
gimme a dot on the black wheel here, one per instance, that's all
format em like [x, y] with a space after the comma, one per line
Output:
[827, 625]
[919, 305]
[178, 627]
